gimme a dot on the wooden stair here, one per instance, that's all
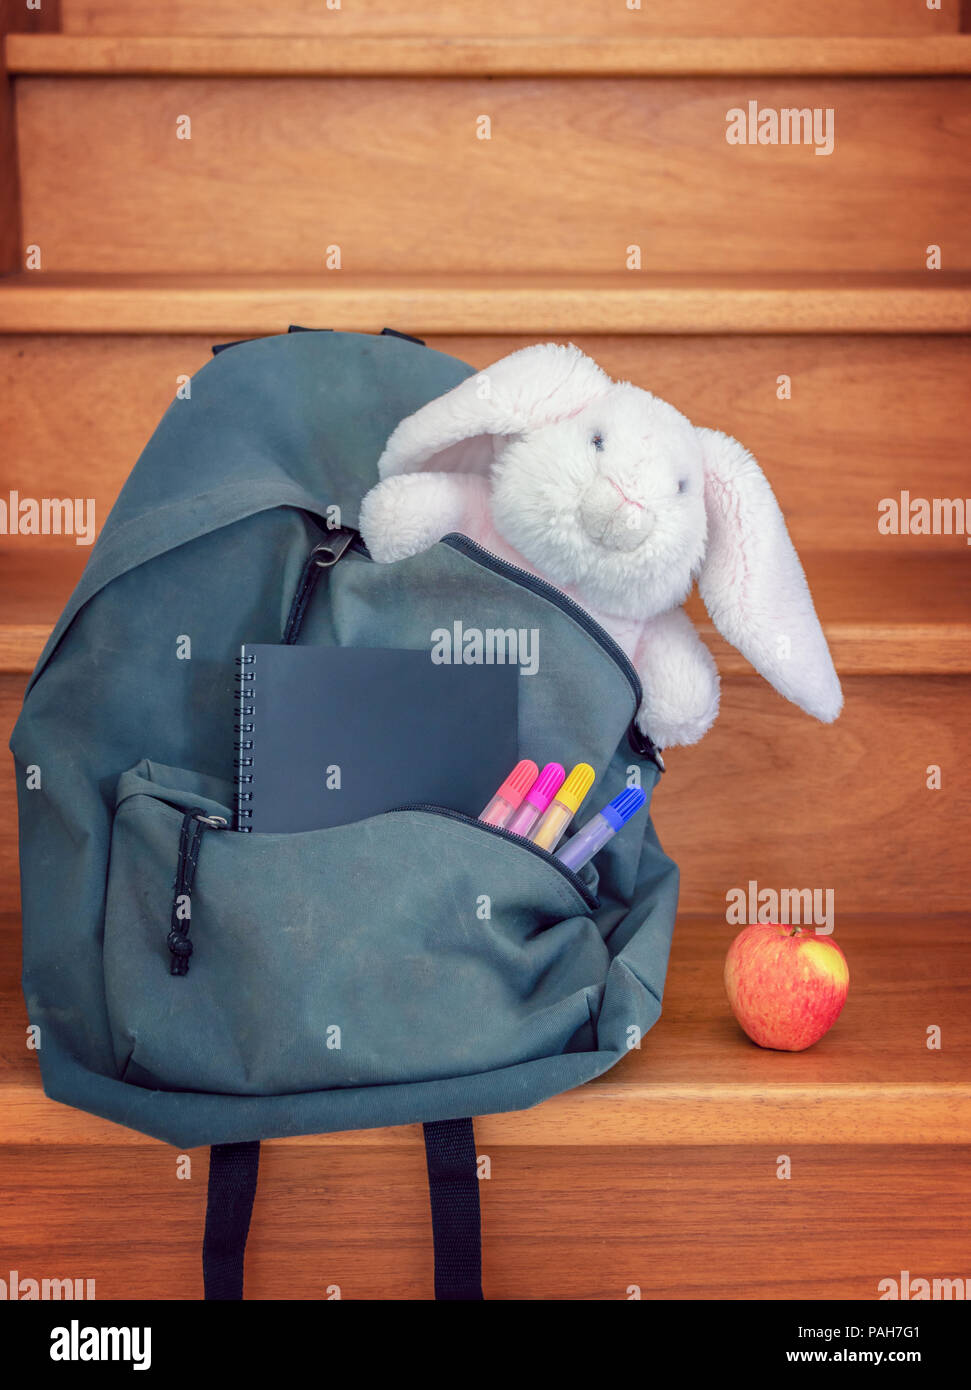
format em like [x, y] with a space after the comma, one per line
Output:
[587, 18]
[546, 55]
[111, 188]
[434, 304]
[661, 1174]
[357, 127]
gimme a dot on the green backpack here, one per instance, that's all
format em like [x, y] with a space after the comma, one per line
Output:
[224, 533]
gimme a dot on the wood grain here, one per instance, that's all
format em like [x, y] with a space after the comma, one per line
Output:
[10, 250]
[888, 612]
[16, 18]
[246, 305]
[277, 171]
[503, 56]
[772, 796]
[696, 1080]
[528, 17]
[868, 417]
[580, 1224]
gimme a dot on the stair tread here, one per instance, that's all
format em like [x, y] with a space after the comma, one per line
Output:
[529, 18]
[696, 1078]
[111, 55]
[887, 612]
[245, 304]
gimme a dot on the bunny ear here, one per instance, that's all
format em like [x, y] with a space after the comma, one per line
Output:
[753, 584]
[532, 387]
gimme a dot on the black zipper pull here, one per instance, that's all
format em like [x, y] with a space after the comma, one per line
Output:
[644, 746]
[323, 557]
[190, 839]
[328, 552]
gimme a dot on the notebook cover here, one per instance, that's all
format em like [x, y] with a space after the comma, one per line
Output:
[397, 728]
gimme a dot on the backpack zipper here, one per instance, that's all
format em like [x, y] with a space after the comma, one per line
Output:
[642, 745]
[573, 879]
[189, 818]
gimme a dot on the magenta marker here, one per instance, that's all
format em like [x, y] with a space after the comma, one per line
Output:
[581, 847]
[509, 796]
[536, 800]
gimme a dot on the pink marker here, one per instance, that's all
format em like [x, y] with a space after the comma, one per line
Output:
[537, 799]
[509, 796]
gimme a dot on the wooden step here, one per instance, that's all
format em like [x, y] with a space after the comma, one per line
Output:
[245, 305]
[506, 56]
[696, 1080]
[391, 170]
[664, 1174]
[884, 613]
[389, 18]
[559, 1223]
[869, 416]
[771, 796]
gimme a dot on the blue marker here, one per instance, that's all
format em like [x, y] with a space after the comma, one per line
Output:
[581, 847]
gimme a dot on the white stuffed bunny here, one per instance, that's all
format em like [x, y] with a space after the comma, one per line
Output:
[614, 497]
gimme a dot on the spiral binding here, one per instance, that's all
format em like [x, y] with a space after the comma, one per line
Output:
[243, 744]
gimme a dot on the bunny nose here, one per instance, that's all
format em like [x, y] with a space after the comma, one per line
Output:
[609, 516]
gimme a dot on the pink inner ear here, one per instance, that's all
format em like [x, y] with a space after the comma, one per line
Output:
[753, 584]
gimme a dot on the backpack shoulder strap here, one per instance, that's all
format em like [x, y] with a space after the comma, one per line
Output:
[453, 1187]
[233, 1171]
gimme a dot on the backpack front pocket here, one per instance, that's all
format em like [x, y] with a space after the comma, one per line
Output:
[407, 947]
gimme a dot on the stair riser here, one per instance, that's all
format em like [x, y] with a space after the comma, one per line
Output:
[606, 18]
[869, 417]
[773, 797]
[392, 172]
[585, 1224]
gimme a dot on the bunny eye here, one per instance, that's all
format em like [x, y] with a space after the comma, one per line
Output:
[598, 442]
[682, 485]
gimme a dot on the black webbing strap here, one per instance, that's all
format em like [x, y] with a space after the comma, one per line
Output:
[453, 1185]
[233, 1170]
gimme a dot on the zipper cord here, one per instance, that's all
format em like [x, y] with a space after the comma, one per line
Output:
[190, 840]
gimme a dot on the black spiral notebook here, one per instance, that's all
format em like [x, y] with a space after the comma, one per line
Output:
[330, 735]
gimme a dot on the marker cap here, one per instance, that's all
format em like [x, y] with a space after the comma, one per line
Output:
[619, 811]
[519, 781]
[547, 784]
[576, 786]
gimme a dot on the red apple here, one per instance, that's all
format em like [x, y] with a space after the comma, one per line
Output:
[786, 986]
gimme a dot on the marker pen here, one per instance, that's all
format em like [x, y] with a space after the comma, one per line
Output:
[509, 796]
[551, 828]
[582, 846]
[536, 800]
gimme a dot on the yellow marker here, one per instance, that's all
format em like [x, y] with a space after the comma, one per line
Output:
[549, 830]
